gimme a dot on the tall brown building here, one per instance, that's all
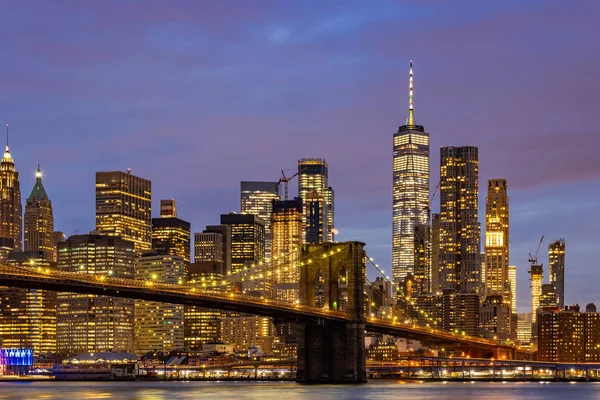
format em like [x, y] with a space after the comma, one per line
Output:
[460, 231]
[39, 221]
[124, 206]
[11, 223]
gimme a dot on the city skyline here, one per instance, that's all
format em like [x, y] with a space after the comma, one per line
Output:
[552, 199]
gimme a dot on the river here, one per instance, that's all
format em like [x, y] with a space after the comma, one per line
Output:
[292, 391]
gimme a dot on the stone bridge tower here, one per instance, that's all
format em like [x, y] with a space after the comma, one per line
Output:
[332, 351]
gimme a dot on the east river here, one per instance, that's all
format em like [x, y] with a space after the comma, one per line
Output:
[291, 391]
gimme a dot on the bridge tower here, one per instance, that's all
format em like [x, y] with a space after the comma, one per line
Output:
[334, 278]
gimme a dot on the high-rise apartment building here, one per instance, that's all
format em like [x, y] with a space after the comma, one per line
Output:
[512, 279]
[39, 221]
[556, 255]
[124, 207]
[158, 326]
[535, 277]
[171, 235]
[313, 182]
[286, 226]
[410, 190]
[28, 316]
[11, 212]
[435, 253]
[91, 323]
[257, 198]
[247, 239]
[496, 240]
[460, 231]
[316, 229]
[422, 269]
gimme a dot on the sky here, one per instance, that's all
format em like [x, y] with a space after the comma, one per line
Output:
[199, 95]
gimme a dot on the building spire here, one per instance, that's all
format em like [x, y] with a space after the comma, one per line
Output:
[7, 139]
[411, 117]
[38, 173]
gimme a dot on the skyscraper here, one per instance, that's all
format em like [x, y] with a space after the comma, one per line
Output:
[124, 206]
[460, 231]
[247, 239]
[313, 181]
[536, 277]
[257, 198]
[158, 326]
[316, 225]
[496, 239]
[410, 190]
[556, 255]
[39, 221]
[435, 253]
[91, 323]
[214, 245]
[171, 235]
[11, 223]
[512, 278]
[286, 225]
[422, 270]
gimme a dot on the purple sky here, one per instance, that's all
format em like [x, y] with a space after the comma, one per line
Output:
[199, 95]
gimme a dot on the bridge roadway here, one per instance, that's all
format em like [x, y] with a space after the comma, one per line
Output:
[60, 281]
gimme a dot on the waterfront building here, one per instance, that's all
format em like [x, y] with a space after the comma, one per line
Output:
[124, 206]
[247, 239]
[243, 331]
[11, 222]
[524, 329]
[495, 318]
[460, 231]
[313, 182]
[28, 316]
[454, 312]
[159, 326]
[171, 235]
[286, 226]
[556, 255]
[410, 190]
[91, 323]
[39, 221]
[257, 198]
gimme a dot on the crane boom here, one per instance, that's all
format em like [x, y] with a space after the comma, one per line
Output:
[533, 259]
[286, 179]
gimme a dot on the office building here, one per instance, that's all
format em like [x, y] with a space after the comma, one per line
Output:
[512, 279]
[243, 331]
[11, 223]
[496, 240]
[57, 237]
[524, 329]
[28, 316]
[91, 323]
[460, 231]
[535, 276]
[313, 175]
[410, 190]
[495, 318]
[435, 253]
[316, 228]
[257, 198]
[569, 336]
[247, 239]
[454, 312]
[39, 221]
[159, 326]
[171, 235]
[548, 299]
[422, 269]
[286, 226]
[124, 207]
[214, 245]
[556, 255]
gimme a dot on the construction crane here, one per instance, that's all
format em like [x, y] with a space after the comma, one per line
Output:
[533, 259]
[428, 208]
[286, 179]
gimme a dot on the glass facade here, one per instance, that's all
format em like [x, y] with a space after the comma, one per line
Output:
[90, 323]
[257, 198]
[556, 256]
[123, 207]
[171, 235]
[313, 177]
[247, 239]
[460, 231]
[410, 196]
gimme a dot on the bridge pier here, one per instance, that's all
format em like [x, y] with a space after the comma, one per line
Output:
[332, 351]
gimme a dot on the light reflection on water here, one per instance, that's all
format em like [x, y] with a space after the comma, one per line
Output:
[292, 391]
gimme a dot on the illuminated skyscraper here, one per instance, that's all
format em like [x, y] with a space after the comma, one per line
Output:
[410, 190]
[171, 235]
[28, 316]
[556, 255]
[11, 223]
[124, 206]
[158, 326]
[214, 245]
[247, 239]
[460, 231]
[91, 323]
[435, 253]
[286, 226]
[168, 208]
[313, 181]
[512, 278]
[39, 221]
[496, 240]
[316, 224]
[257, 198]
[536, 277]
[422, 270]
